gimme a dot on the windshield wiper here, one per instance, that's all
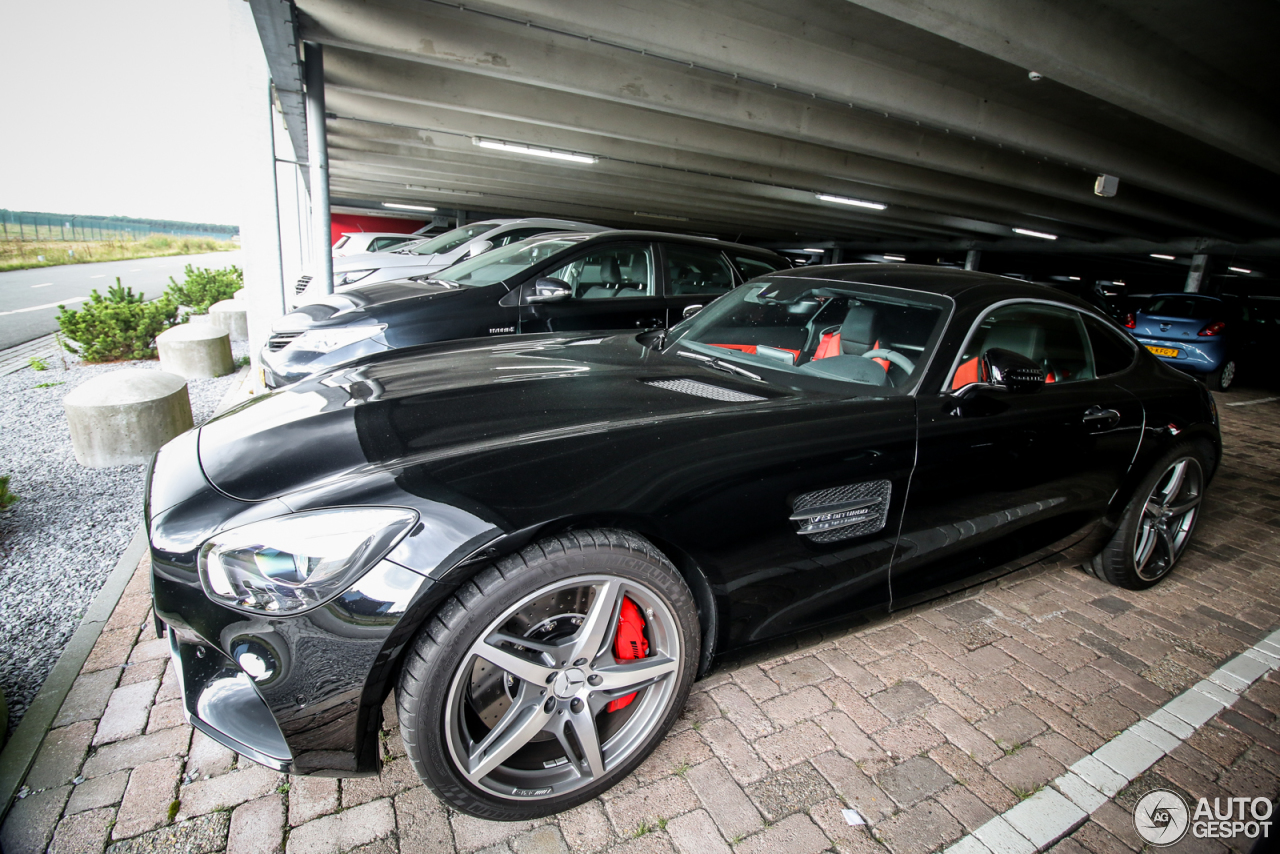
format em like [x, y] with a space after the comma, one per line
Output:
[721, 365]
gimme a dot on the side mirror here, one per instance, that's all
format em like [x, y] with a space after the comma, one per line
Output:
[547, 289]
[690, 311]
[1013, 372]
[479, 248]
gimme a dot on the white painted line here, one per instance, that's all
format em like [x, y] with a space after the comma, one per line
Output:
[1253, 402]
[46, 305]
[43, 285]
[103, 276]
[1050, 814]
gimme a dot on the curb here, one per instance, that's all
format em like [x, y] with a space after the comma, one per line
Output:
[20, 753]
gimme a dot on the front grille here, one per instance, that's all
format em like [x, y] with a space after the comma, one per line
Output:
[714, 392]
[280, 340]
[301, 285]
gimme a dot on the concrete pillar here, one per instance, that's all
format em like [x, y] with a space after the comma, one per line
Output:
[195, 352]
[318, 162]
[1199, 263]
[230, 316]
[123, 417]
[971, 259]
[251, 147]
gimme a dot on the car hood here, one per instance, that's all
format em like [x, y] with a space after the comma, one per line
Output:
[428, 404]
[360, 300]
[381, 260]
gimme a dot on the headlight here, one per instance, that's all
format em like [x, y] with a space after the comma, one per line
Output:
[294, 563]
[326, 340]
[351, 277]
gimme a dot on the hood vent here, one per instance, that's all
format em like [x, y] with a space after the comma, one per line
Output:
[699, 389]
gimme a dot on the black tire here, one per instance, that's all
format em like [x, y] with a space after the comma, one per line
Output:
[442, 657]
[1121, 562]
[1223, 377]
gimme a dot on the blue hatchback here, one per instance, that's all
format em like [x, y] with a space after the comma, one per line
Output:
[1187, 332]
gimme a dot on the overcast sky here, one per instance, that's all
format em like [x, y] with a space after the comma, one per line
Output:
[116, 108]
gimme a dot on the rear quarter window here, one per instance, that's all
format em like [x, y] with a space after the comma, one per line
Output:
[1112, 352]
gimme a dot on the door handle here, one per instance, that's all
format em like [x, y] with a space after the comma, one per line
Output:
[1098, 415]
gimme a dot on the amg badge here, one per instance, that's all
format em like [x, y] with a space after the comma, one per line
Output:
[498, 330]
[842, 512]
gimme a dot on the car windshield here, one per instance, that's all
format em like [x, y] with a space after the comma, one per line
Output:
[825, 330]
[451, 240]
[1184, 308]
[498, 265]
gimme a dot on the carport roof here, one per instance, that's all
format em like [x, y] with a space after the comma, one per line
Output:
[729, 117]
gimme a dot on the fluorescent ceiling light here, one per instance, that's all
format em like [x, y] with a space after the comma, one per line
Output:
[1073, 278]
[1163, 257]
[401, 207]
[520, 148]
[1239, 270]
[857, 203]
[1029, 233]
[660, 216]
[895, 257]
[815, 251]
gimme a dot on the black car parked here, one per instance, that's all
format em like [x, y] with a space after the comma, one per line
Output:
[538, 542]
[549, 283]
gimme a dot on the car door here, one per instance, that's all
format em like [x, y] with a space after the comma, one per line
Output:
[693, 276]
[1003, 477]
[612, 286]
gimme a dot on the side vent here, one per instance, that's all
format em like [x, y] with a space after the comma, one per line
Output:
[301, 285]
[842, 512]
[698, 389]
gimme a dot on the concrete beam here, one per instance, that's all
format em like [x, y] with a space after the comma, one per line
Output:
[1268, 247]
[1098, 50]
[948, 195]
[437, 35]
[395, 83]
[278, 31]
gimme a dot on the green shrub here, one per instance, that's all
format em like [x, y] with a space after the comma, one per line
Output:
[118, 326]
[202, 288]
[7, 498]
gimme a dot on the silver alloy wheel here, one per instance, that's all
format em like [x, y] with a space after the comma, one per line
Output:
[525, 717]
[1168, 518]
[1228, 375]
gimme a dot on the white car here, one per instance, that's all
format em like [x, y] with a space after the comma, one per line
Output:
[436, 253]
[360, 242]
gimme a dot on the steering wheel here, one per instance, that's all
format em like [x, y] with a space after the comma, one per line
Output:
[893, 356]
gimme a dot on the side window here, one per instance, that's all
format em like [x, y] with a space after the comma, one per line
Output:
[516, 234]
[696, 270]
[616, 272]
[751, 267]
[1112, 352]
[1053, 338]
[380, 243]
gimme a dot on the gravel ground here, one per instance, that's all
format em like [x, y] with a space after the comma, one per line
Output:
[59, 543]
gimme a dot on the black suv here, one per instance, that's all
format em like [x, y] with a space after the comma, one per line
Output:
[549, 283]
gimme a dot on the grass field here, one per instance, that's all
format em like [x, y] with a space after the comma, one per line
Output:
[24, 254]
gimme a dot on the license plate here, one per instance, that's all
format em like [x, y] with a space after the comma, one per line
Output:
[1167, 352]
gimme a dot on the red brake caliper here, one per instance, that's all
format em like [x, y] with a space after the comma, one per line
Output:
[629, 644]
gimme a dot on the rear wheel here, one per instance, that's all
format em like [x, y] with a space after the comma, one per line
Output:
[1223, 377]
[1158, 523]
[550, 676]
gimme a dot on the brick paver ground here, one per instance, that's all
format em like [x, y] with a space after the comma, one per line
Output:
[928, 723]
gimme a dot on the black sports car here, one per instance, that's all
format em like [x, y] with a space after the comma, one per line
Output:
[550, 283]
[539, 542]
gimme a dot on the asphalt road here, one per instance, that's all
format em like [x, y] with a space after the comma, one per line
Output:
[29, 299]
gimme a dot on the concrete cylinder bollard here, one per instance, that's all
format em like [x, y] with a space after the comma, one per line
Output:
[123, 417]
[195, 352]
[230, 315]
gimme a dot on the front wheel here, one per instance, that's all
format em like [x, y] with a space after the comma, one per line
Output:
[550, 676]
[1158, 523]
[1223, 377]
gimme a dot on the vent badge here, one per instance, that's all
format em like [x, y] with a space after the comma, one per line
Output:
[842, 512]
